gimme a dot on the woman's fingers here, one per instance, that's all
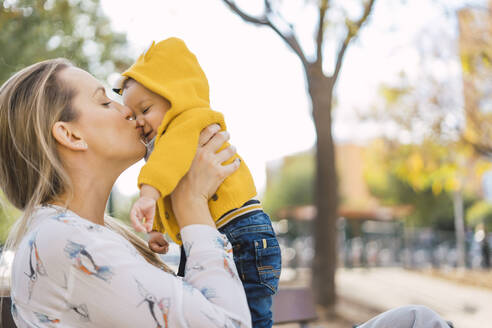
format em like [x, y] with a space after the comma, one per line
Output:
[207, 134]
[226, 154]
[230, 168]
[214, 144]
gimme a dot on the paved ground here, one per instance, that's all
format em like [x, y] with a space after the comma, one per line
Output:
[465, 306]
[365, 292]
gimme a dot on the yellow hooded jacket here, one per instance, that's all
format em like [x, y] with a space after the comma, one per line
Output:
[169, 69]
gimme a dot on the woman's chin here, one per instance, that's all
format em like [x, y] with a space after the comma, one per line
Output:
[138, 152]
[142, 150]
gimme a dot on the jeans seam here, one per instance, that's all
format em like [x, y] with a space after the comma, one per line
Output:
[251, 230]
[268, 286]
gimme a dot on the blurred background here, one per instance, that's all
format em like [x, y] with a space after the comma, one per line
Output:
[366, 125]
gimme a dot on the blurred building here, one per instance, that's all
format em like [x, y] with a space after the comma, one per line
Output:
[365, 226]
[356, 201]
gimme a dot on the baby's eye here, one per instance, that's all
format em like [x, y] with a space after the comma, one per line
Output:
[106, 104]
[146, 110]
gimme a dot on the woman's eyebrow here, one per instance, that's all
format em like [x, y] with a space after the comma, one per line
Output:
[100, 88]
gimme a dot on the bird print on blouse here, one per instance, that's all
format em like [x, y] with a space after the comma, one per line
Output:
[36, 267]
[158, 308]
[47, 320]
[222, 242]
[84, 261]
[208, 292]
[63, 217]
[228, 267]
[81, 311]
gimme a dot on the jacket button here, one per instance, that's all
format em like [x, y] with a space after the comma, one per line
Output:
[167, 215]
[215, 197]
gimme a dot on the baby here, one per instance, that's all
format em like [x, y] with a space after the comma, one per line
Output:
[169, 94]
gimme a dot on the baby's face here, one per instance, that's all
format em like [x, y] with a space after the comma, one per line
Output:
[148, 107]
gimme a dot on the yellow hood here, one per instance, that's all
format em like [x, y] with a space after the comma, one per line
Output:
[169, 69]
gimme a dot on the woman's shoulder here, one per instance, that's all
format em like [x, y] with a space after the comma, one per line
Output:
[57, 241]
[51, 227]
[53, 235]
[40, 257]
[60, 218]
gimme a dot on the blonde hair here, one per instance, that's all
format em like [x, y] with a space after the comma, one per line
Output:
[31, 172]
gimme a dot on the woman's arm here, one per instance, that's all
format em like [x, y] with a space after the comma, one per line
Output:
[210, 266]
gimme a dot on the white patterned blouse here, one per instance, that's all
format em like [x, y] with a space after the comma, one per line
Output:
[70, 272]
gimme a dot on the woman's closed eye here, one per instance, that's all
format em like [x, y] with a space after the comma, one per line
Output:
[105, 101]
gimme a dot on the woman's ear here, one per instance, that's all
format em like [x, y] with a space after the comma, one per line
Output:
[67, 136]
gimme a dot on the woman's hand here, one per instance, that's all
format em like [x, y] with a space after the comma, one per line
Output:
[191, 195]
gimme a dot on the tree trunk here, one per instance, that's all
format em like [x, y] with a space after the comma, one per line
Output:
[459, 227]
[326, 197]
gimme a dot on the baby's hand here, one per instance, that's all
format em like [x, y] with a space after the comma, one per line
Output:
[142, 214]
[157, 243]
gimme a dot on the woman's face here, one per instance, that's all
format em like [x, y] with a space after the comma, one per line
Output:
[104, 124]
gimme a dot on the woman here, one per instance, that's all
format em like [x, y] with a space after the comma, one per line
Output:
[63, 143]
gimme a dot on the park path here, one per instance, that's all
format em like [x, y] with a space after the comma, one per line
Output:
[383, 288]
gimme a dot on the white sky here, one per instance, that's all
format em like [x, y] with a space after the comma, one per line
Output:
[259, 84]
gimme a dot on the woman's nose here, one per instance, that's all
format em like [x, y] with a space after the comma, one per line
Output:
[125, 111]
[140, 120]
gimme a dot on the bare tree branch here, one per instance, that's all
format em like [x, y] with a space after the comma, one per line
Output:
[352, 31]
[321, 31]
[244, 16]
[289, 38]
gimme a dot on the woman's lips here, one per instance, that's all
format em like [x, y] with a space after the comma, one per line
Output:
[147, 136]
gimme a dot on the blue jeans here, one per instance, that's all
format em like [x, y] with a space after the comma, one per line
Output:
[257, 257]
